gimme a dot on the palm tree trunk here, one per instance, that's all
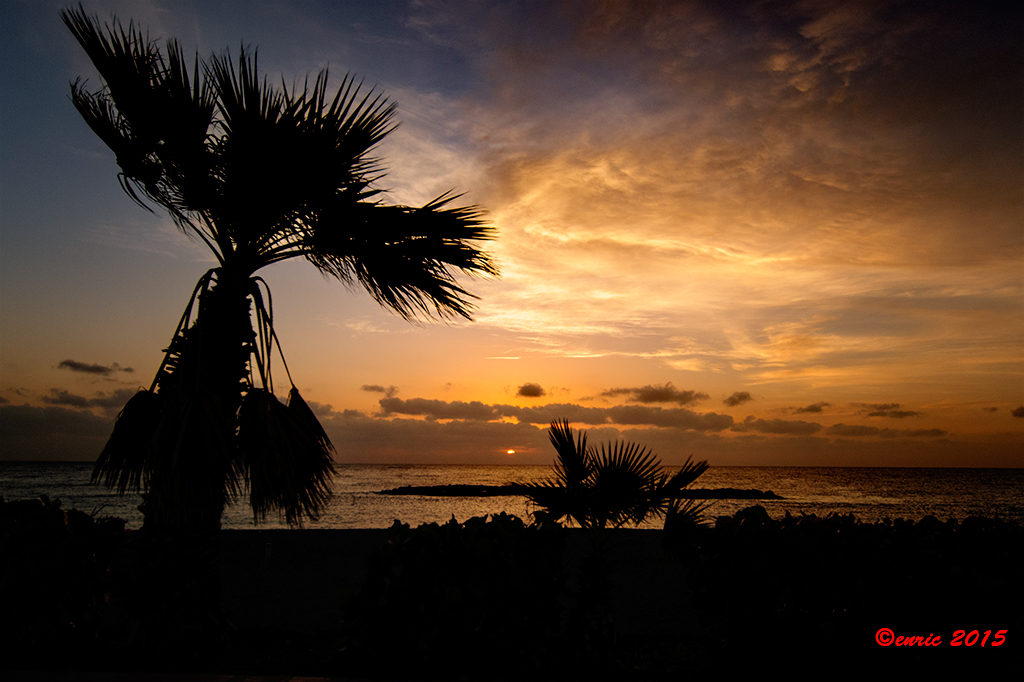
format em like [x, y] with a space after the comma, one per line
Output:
[194, 468]
[194, 473]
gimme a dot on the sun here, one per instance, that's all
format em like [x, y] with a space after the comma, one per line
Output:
[511, 452]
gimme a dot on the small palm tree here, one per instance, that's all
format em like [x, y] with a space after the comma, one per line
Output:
[260, 175]
[601, 490]
[606, 488]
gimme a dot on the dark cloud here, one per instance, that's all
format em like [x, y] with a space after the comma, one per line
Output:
[657, 394]
[857, 431]
[59, 397]
[545, 414]
[530, 391]
[738, 398]
[816, 407]
[86, 368]
[320, 409]
[777, 427]
[878, 407]
[895, 414]
[114, 401]
[110, 403]
[51, 433]
[632, 415]
[390, 391]
[676, 418]
[990, 409]
[438, 409]
[890, 410]
[1019, 412]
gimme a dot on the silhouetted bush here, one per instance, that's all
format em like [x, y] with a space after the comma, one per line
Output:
[823, 585]
[60, 598]
[481, 596]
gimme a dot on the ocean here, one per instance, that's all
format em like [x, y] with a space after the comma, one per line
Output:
[871, 494]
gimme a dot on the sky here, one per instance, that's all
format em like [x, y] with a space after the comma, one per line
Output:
[756, 233]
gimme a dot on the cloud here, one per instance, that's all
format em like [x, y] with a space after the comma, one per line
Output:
[990, 409]
[816, 407]
[890, 410]
[738, 398]
[86, 368]
[1019, 412]
[676, 418]
[857, 431]
[895, 414]
[631, 415]
[438, 409]
[113, 402]
[777, 427]
[530, 391]
[390, 391]
[320, 409]
[60, 397]
[110, 403]
[51, 433]
[657, 394]
[879, 407]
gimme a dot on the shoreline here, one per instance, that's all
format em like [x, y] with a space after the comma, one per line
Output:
[516, 489]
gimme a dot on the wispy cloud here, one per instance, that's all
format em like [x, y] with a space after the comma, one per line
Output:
[857, 431]
[815, 408]
[389, 391]
[88, 368]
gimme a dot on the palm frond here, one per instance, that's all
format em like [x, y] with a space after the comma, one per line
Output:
[406, 258]
[286, 456]
[126, 458]
[625, 484]
[687, 474]
[152, 115]
[566, 493]
[575, 461]
[685, 514]
[605, 488]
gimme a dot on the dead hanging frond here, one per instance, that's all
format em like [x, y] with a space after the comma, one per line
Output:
[126, 459]
[266, 336]
[264, 332]
[286, 457]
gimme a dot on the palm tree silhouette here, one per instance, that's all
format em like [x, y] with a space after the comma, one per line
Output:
[603, 489]
[260, 175]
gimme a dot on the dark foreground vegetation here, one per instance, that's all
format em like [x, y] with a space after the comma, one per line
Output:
[497, 598]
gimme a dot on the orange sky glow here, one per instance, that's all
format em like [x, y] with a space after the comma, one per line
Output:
[755, 233]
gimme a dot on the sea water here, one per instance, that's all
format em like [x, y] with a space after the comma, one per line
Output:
[871, 494]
